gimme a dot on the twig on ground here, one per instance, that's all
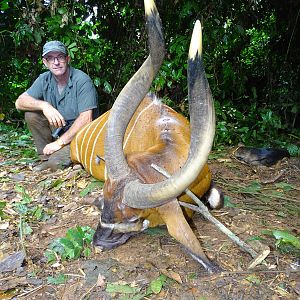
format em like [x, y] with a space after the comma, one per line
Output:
[80, 207]
[21, 235]
[74, 275]
[88, 292]
[230, 273]
[204, 211]
[58, 226]
[7, 278]
[25, 294]
[272, 180]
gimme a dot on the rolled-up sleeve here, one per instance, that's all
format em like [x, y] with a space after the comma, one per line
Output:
[87, 96]
[36, 89]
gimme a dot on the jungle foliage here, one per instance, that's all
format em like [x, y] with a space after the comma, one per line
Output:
[250, 51]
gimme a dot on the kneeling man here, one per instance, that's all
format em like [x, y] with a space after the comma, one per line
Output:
[57, 105]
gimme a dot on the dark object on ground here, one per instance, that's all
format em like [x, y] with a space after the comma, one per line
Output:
[260, 156]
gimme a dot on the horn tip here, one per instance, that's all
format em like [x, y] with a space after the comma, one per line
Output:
[196, 41]
[149, 7]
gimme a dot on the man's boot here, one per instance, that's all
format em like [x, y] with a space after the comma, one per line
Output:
[57, 160]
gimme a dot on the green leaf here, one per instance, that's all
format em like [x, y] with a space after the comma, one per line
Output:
[69, 248]
[80, 231]
[60, 279]
[37, 37]
[252, 188]
[157, 284]
[96, 81]
[156, 231]
[227, 202]
[74, 233]
[107, 87]
[286, 237]
[50, 255]
[253, 279]
[255, 238]
[25, 227]
[2, 206]
[72, 45]
[87, 252]
[294, 150]
[77, 252]
[277, 194]
[75, 236]
[21, 208]
[120, 288]
[62, 10]
[66, 41]
[56, 184]
[93, 185]
[4, 5]
[281, 214]
[57, 247]
[37, 213]
[25, 196]
[88, 234]
[284, 186]
[267, 232]
[68, 254]
[25, 137]
[192, 276]
[75, 243]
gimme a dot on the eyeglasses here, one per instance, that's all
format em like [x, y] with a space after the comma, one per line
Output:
[60, 58]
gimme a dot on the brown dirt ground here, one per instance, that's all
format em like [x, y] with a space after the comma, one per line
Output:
[146, 256]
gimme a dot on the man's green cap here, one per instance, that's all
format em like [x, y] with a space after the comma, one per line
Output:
[56, 46]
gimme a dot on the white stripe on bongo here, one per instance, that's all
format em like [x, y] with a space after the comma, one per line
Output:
[136, 120]
[84, 137]
[77, 143]
[89, 140]
[93, 149]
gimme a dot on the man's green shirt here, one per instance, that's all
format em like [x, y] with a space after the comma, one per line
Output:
[79, 94]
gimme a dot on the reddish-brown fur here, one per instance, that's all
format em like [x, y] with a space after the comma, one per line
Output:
[160, 135]
[156, 134]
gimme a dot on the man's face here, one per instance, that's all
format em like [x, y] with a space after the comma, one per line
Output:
[56, 62]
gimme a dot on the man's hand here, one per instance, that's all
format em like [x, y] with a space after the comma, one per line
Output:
[28, 103]
[83, 119]
[51, 148]
[53, 116]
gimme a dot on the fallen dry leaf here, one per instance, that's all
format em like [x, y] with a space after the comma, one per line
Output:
[100, 281]
[70, 206]
[4, 226]
[173, 275]
[82, 183]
